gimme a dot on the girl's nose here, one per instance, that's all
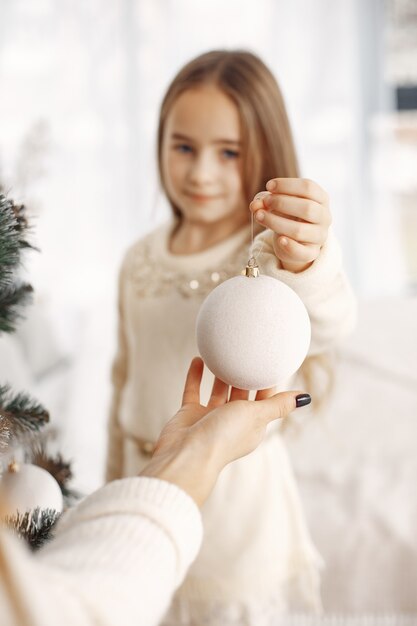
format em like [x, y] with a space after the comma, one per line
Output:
[202, 169]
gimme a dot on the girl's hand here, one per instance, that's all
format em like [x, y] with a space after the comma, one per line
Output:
[297, 210]
[199, 441]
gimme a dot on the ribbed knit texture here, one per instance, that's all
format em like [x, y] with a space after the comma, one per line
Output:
[116, 559]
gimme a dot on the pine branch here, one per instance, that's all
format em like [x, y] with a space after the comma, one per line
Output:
[24, 415]
[22, 225]
[13, 294]
[9, 241]
[12, 299]
[18, 212]
[56, 466]
[13, 229]
[5, 433]
[35, 527]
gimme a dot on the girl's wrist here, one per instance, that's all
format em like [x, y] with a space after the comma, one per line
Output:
[296, 268]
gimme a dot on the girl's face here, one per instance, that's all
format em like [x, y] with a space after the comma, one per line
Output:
[201, 156]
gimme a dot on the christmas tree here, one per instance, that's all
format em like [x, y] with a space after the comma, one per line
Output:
[35, 477]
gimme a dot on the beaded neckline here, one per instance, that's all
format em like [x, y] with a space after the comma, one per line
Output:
[154, 271]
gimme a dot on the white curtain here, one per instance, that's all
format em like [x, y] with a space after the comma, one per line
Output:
[81, 83]
[80, 87]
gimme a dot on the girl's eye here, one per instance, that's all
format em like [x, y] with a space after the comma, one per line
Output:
[183, 148]
[230, 154]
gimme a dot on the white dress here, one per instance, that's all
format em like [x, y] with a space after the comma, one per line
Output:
[257, 559]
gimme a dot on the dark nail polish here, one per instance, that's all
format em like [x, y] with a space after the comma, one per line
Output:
[302, 399]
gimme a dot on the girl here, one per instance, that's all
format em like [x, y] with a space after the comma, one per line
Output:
[223, 136]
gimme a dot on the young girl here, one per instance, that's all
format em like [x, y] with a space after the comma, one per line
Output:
[224, 136]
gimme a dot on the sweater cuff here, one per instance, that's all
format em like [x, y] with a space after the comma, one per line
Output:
[165, 504]
[324, 269]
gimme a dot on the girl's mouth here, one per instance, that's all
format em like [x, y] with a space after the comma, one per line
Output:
[201, 198]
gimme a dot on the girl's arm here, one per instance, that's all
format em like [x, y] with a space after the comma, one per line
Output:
[300, 249]
[114, 458]
[323, 287]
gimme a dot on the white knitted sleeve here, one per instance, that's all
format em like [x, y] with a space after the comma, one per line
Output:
[116, 559]
[323, 287]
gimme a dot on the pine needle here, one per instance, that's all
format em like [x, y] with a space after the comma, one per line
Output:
[13, 293]
[56, 466]
[35, 527]
[12, 299]
[24, 414]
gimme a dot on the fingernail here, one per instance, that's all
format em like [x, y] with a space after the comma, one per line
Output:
[302, 399]
[284, 241]
[271, 185]
[260, 215]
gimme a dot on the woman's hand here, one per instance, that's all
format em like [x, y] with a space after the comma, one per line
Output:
[200, 441]
[297, 210]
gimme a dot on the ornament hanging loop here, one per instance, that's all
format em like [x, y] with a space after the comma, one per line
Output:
[13, 467]
[252, 270]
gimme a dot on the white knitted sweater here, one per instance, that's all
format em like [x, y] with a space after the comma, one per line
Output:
[116, 560]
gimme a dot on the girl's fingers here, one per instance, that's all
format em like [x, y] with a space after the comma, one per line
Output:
[300, 208]
[261, 195]
[293, 251]
[219, 393]
[193, 381]
[302, 187]
[238, 394]
[292, 206]
[258, 201]
[300, 231]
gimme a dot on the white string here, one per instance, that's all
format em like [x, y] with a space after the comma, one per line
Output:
[253, 259]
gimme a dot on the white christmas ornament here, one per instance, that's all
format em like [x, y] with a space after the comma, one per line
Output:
[253, 332]
[26, 487]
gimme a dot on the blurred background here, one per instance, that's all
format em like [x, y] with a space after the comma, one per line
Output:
[80, 88]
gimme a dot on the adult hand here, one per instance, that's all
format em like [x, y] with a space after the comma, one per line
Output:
[297, 210]
[199, 441]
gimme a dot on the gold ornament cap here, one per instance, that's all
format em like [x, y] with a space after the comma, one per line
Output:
[252, 270]
[13, 467]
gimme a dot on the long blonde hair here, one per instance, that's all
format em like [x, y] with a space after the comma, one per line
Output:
[268, 149]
